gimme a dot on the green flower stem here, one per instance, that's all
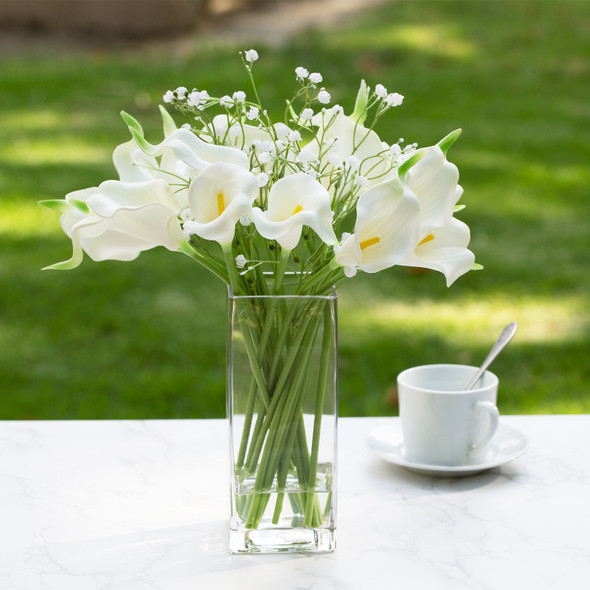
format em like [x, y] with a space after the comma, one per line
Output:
[280, 427]
[248, 415]
[319, 406]
[208, 262]
[277, 394]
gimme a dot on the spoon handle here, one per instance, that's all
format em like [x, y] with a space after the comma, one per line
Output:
[504, 338]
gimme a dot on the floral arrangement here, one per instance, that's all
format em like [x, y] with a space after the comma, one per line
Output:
[316, 197]
[318, 193]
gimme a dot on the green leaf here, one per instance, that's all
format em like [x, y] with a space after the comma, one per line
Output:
[414, 159]
[60, 205]
[458, 208]
[360, 106]
[141, 141]
[446, 142]
[476, 266]
[167, 121]
[132, 123]
[80, 205]
[65, 265]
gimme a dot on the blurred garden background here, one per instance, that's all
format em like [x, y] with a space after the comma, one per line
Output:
[146, 339]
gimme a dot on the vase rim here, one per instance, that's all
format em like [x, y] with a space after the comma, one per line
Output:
[333, 295]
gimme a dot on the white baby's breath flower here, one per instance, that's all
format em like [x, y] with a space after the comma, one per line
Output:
[395, 151]
[262, 179]
[352, 162]
[302, 73]
[245, 220]
[226, 101]
[241, 261]
[264, 146]
[324, 96]
[264, 157]
[282, 130]
[306, 114]
[194, 98]
[168, 96]
[337, 110]
[235, 131]
[380, 91]
[394, 99]
[239, 96]
[251, 55]
[181, 92]
[350, 271]
[306, 156]
[252, 113]
[334, 159]
[186, 214]
[315, 78]
[294, 136]
[361, 181]
[186, 126]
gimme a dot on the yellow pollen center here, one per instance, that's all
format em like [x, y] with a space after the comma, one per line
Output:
[427, 239]
[297, 209]
[220, 203]
[369, 242]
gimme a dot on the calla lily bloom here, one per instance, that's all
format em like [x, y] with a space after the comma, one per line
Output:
[386, 229]
[217, 198]
[443, 239]
[295, 201]
[118, 220]
[445, 249]
[434, 180]
[184, 145]
[353, 139]
[242, 134]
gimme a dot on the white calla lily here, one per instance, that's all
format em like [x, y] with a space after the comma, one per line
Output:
[445, 249]
[239, 135]
[386, 229]
[351, 138]
[119, 220]
[434, 180]
[443, 239]
[295, 201]
[217, 198]
[185, 145]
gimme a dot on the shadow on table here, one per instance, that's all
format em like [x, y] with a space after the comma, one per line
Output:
[384, 474]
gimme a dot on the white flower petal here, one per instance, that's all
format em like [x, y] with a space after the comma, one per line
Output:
[434, 181]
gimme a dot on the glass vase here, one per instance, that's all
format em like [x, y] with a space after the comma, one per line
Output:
[282, 409]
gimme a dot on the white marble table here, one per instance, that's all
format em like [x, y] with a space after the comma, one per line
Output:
[131, 505]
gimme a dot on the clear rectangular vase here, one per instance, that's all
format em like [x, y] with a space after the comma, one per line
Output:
[282, 409]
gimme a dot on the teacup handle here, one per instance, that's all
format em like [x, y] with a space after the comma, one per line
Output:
[491, 410]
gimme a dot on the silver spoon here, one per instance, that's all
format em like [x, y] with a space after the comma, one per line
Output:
[504, 338]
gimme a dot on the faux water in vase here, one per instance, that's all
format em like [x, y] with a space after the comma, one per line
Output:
[282, 408]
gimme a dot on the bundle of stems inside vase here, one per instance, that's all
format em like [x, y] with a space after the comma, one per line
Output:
[282, 382]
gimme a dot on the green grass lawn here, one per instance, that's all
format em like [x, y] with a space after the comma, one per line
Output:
[147, 339]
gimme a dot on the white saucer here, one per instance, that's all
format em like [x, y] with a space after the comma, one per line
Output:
[387, 443]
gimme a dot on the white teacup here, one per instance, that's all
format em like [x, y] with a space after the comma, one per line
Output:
[442, 423]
